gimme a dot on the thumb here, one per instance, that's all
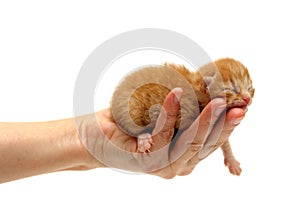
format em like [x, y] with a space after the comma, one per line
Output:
[164, 127]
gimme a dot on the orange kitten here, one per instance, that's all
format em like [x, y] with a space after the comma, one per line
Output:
[136, 102]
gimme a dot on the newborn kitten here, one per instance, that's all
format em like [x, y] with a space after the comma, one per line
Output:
[137, 101]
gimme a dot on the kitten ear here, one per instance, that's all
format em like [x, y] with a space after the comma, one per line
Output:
[208, 80]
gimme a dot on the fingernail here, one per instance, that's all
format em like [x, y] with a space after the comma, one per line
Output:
[237, 121]
[178, 94]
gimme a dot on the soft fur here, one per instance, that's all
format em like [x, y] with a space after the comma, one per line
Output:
[136, 102]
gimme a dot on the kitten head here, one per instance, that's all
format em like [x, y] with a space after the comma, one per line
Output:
[231, 80]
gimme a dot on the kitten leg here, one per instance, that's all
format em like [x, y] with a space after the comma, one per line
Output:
[144, 142]
[229, 160]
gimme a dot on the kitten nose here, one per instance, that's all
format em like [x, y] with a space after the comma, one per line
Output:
[246, 99]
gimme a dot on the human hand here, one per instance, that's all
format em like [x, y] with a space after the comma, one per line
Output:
[113, 148]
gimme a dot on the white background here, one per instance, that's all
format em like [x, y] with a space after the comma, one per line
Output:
[43, 45]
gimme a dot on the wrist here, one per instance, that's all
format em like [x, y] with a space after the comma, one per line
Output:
[82, 159]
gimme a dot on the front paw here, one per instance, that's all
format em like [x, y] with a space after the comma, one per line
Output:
[233, 166]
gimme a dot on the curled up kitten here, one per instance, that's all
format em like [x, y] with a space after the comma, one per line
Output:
[136, 102]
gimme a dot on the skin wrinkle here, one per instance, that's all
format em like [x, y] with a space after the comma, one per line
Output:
[60, 154]
[199, 125]
[225, 78]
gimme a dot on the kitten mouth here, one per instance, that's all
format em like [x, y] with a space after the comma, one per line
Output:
[238, 104]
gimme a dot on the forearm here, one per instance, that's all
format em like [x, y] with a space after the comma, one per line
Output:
[28, 149]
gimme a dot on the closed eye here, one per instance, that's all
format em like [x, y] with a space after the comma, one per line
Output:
[231, 90]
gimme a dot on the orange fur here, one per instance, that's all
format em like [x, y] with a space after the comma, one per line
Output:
[136, 102]
[138, 98]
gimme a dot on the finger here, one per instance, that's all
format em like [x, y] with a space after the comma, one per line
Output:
[157, 160]
[192, 140]
[208, 117]
[166, 172]
[222, 130]
[185, 170]
[164, 128]
[184, 144]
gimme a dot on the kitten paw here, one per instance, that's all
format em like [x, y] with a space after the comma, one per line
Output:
[233, 166]
[144, 142]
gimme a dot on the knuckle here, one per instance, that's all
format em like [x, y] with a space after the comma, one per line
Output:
[169, 176]
[166, 135]
[195, 147]
[172, 112]
[212, 146]
[185, 172]
[171, 119]
[193, 162]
